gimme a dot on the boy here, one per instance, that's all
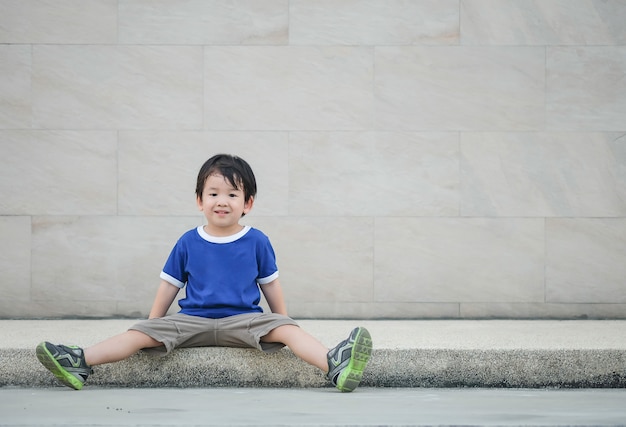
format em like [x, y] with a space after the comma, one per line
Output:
[223, 264]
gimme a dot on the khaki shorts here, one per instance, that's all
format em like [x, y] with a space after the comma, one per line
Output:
[242, 330]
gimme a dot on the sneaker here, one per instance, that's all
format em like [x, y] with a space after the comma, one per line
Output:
[66, 363]
[348, 359]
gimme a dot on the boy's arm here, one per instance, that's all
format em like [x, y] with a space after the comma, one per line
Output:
[163, 300]
[273, 293]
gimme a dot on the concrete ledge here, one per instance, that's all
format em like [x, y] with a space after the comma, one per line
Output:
[219, 367]
[527, 354]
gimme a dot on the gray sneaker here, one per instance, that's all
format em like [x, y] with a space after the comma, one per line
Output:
[66, 363]
[348, 359]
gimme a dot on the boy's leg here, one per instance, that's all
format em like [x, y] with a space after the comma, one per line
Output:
[72, 365]
[303, 345]
[343, 364]
[119, 347]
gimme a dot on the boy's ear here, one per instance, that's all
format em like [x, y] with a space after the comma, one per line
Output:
[247, 207]
[199, 202]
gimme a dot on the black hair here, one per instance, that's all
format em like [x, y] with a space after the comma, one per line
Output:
[234, 169]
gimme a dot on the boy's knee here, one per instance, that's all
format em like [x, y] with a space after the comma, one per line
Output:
[144, 340]
[280, 333]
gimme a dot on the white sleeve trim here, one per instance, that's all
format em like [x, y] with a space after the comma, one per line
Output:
[268, 279]
[171, 280]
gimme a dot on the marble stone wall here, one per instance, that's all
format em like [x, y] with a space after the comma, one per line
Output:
[415, 159]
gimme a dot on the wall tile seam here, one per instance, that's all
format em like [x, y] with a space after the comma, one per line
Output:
[294, 216]
[323, 45]
[327, 46]
[459, 301]
[209, 130]
[119, 130]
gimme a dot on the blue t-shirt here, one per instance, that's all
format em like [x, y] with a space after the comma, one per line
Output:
[222, 274]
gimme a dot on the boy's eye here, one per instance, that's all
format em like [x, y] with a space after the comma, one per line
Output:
[232, 195]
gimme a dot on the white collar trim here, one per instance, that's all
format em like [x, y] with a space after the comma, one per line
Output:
[225, 239]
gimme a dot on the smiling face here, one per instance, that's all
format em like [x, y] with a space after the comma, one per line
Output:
[223, 206]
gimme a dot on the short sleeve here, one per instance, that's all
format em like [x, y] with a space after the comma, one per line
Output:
[266, 260]
[175, 271]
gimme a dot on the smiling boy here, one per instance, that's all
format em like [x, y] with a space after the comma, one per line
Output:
[224, 266]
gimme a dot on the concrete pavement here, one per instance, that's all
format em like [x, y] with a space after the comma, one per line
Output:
[413, 353]
[95, 406]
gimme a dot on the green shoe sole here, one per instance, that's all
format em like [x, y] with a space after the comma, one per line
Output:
[360, 355]
[53, 366]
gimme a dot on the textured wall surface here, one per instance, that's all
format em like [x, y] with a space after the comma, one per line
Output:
[415, 159]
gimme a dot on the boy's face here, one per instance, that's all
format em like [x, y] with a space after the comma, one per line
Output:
[222, 206]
